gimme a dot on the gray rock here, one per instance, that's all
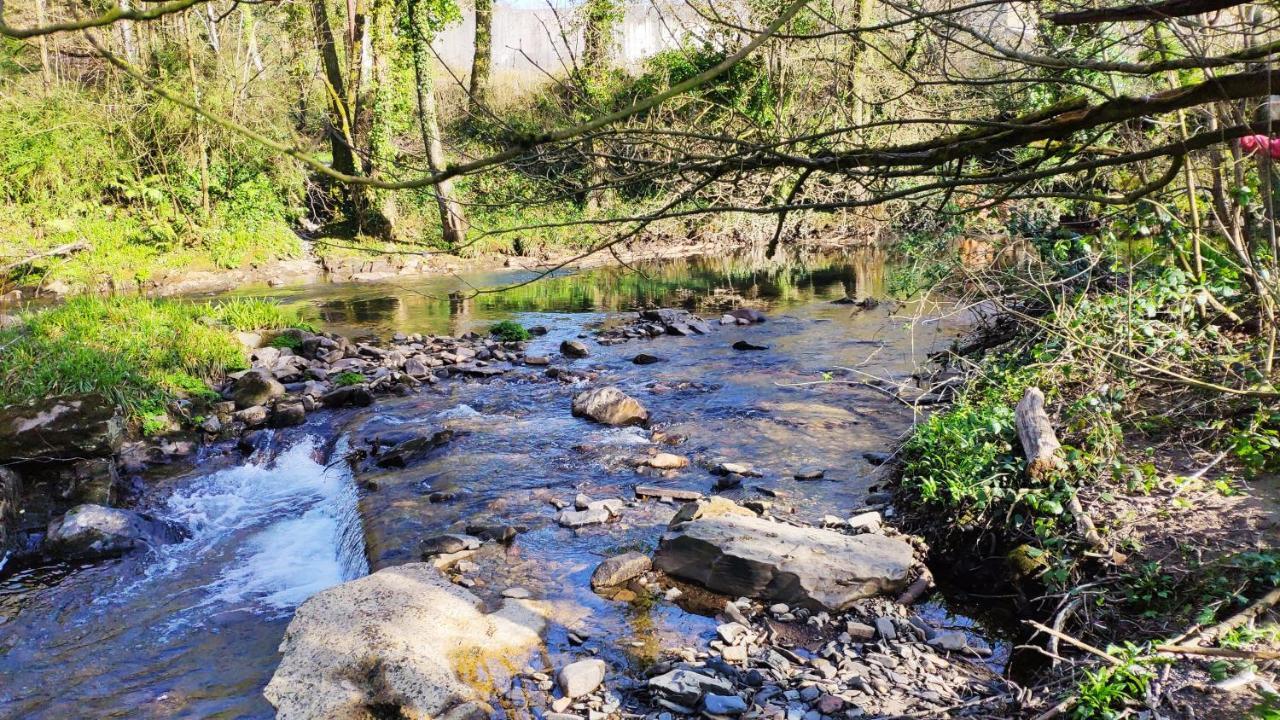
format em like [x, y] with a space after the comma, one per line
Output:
[256, 387]
[653, 491]
[886, 628]
[574, 349]
[288, 414]
[748, 314]
[251, 416]
[580, 678]
[88, 532]
[348, 396]
[582, 518]
[395, 640]
[860, 632]
[63, 427]
[610, 406]
[744, 555]
[686, 687]
[952, 641]
[620, 569]
[724, 704]
[447, 544]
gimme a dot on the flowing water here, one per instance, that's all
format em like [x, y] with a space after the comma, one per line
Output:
[192, 630]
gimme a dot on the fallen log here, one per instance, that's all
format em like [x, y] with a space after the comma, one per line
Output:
[59, 251]
[1040, 446]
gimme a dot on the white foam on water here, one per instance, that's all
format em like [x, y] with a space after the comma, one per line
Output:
[619, 436]
[271, 533]
[459, 412]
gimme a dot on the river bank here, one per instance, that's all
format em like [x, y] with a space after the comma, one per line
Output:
[338, 260]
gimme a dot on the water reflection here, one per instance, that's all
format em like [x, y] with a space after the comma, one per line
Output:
[450, 305]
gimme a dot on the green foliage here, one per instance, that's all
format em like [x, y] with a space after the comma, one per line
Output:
[291, 341]
[746, 89]
[965, 458]
[1105, 692]
[509, 331]
[348, 378]
[141, 353]
[249, 314]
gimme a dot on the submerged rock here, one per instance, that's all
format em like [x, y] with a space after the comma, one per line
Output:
[610, 406]
[90, 532]
[64, 427]
[746, 556]
[620, 569]
[744, 345]
[414, 450]
[748, 314]
[403, 640]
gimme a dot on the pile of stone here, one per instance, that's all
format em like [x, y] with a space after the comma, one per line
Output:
[329, 370]
[588, 512]
[655, 323]
[876, 660]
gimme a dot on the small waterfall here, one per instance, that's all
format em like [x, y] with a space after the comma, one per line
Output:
[273, 532]
[351, 552]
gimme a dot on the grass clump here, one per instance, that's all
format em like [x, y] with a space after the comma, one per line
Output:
[140, 353]
[509, 331]
[348, 378]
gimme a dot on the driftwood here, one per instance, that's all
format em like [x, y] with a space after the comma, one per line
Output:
[1035, 432]
[59, 251]
[1040, 445]
[1220, 652]
[917, 589]
[1263, 604]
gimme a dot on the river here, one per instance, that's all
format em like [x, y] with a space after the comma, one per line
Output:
[191, 630]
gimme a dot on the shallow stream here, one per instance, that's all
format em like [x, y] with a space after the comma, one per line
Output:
[192, 630]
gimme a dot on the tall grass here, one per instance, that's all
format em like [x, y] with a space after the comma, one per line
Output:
[141, 353]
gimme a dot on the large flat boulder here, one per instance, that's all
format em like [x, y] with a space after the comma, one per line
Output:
[64, 427]
[748, 556]
[403, 641]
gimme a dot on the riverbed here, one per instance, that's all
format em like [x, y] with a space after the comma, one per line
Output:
[192, 630]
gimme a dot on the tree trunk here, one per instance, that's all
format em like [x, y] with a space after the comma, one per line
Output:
[379, 217]
[481, 60]
[126, 35]
[46, 73]
[339, 130]
[251, 42]
[211, 27]
[453, 224]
